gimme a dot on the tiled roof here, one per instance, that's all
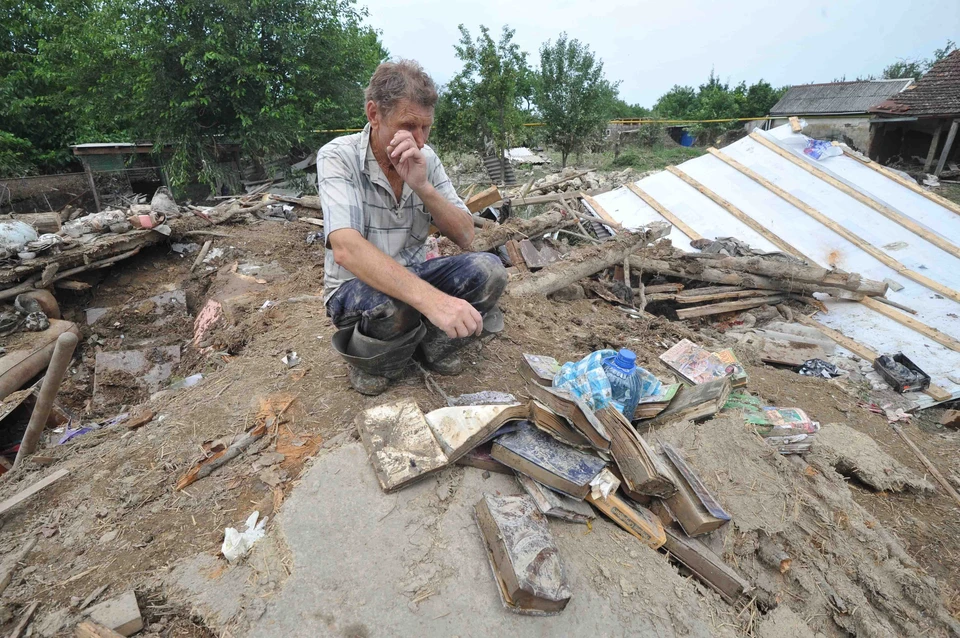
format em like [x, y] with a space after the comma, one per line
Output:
[837, 97]
[935, 94]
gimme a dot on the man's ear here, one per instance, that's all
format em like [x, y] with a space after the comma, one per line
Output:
[373, 114]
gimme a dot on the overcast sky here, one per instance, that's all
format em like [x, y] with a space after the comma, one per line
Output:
[650, 46]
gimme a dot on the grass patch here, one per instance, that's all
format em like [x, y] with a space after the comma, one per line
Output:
[653, 158]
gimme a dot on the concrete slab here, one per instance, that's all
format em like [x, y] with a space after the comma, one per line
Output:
[412, 563]
[139, 371]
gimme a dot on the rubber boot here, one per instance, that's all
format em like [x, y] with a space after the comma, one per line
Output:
[374, 364]
[439, 352]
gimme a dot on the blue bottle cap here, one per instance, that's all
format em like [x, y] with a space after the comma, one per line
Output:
[626, 359]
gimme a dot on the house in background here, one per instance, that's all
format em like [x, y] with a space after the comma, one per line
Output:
[838, 110]
[922, 121]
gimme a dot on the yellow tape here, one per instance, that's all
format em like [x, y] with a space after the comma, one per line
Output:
[634, 121]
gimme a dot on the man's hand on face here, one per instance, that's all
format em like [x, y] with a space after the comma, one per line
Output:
[455, 316]
[407, 159]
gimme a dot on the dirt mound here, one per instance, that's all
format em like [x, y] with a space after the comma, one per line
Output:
[858, 456]
[847, 572]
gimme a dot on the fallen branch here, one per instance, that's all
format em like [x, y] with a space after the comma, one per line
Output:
[583, 262]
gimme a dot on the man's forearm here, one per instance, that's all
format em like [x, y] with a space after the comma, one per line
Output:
[453, 221]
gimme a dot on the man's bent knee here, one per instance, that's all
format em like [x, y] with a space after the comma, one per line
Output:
[487, 276]
[389, 320]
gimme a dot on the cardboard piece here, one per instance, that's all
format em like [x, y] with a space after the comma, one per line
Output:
[524, 558]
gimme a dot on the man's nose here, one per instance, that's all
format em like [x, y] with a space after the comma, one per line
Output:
[420, 137]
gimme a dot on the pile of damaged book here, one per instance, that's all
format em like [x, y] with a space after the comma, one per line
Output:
[573, 454]
[790, 429]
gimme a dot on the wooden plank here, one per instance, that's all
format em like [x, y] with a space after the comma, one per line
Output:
[727, 306]
[599, 210]
[89, 629]
[739, 214]
[861, 243]
[483, 199]
[663, 212]
[23, 495]
[24, 620]
[513, 252]
[72, 284]
[795, 124]
[927, 463]
[698, 295]
[664, 288]
[886, 211]
[912, 185]
[862, 351]
[904, 319]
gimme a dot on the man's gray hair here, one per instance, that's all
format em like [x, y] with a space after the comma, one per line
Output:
[394, 82]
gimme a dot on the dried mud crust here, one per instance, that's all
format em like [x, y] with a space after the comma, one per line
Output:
[124, 481]
[848, 573]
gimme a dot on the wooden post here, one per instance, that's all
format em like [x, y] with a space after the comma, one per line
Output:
[93, 185]
[933, 148]
[946, 147]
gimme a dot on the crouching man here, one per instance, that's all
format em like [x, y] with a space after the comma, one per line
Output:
[380, 190]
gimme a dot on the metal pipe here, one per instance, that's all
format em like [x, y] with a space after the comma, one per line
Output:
[62, 353]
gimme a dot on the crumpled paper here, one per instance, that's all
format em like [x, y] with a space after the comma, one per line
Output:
[237, 544]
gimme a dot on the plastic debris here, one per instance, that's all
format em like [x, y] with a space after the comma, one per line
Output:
[237, 544]
[291, 359]
[821, 149]
[820, 368]
[267, 304]
[316, 237]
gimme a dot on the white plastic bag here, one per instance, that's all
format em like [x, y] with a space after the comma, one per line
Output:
[237, 544]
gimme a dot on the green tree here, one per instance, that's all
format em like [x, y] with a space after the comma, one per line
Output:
[186, 74]
[573, 97]
[621, 110]
[486, 103]
[914, 68]
[678, 103]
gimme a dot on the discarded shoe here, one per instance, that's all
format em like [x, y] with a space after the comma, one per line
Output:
[365, 383]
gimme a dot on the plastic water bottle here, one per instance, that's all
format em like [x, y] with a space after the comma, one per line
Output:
[625, 382]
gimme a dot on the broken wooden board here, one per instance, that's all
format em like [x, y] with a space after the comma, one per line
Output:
[538, 455]
[23, 495]
[523, 556]
[716, 293]
[535, 258]
[728, 306]
[483, 199]
[790, 353]
[513, 252]
[555, 504]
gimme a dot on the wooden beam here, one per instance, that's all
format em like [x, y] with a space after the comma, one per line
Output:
[663, 212]
[931, 333]
[728, 306]
[912, 185]
[862, 351]
[716, 293]
[483, 199]
[858, 241]
[23, 495]
[599, 210]
[886, 211]
[947, 146]
[24, 620]
[926, 462]
[513, 252]
[739, 214]
[934, 143]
